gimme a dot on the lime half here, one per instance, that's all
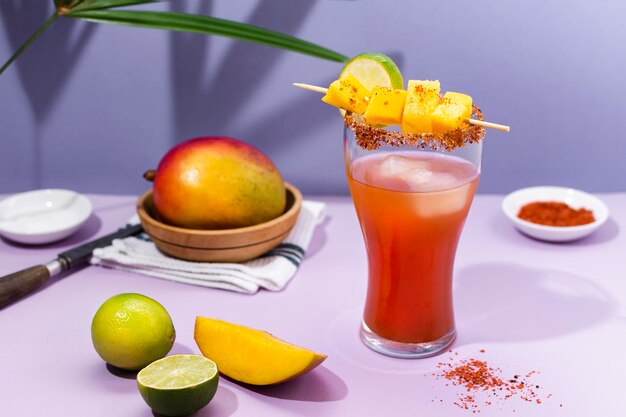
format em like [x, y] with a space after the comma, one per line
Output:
[374, 69]
[178, 385]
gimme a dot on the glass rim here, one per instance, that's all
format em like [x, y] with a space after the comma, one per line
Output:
[370, 137]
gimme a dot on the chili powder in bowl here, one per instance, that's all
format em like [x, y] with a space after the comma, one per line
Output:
[555, 214]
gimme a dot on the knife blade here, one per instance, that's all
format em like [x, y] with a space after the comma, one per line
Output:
[18, 284]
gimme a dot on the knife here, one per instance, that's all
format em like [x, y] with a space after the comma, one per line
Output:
[18, 284]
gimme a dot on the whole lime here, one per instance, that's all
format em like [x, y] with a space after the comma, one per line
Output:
[130, 331]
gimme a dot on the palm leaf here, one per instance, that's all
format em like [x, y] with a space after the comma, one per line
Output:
[108, 4]
[205, 25]
[30, 40]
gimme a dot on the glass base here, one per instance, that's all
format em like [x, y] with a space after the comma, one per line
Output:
[402, 349]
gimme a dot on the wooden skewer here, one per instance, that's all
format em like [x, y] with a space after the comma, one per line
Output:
[489, 125]
[310, 87]
[481, 123]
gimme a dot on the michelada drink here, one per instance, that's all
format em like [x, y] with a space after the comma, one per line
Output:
[411, 207]
[413, 160]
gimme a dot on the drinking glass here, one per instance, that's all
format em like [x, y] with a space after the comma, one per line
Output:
[411, 204]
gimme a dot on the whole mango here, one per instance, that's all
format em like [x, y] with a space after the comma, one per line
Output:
[217, 183]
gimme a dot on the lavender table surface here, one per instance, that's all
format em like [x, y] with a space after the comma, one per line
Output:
[556, 308]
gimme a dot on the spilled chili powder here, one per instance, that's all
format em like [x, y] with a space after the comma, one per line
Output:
[554, 213]
[484, 385]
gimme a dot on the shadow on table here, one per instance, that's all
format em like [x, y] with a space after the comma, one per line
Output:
[502, 302]
[608, 231]
[224, 404]
[319, 239]
[85, 233]
[121, 373]
[319, 385]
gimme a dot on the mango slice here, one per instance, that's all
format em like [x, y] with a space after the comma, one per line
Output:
[348, 94]
[421, 100]
[451, 112]
[385, 106]
[252, 356]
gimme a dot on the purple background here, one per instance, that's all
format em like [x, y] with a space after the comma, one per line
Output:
[91, 107]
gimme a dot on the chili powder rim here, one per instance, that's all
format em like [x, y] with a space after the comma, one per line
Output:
[371, 137]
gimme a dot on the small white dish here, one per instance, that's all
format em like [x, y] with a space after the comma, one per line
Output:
[43, 216]
[576, 199]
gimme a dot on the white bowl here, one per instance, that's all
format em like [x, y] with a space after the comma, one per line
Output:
[43, 216]
[574, 198]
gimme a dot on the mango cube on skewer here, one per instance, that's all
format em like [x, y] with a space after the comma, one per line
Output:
[348, 94]
[452, 112]
[460, 98]
[421, 100]
[385, 106]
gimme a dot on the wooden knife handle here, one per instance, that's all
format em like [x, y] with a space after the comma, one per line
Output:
[18, 284]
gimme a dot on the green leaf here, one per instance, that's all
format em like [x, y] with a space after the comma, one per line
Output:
[208, 26]
[65, 4]
[108, 4]
[30, 40]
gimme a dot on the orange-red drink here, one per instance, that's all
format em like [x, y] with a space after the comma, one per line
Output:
[412, 206]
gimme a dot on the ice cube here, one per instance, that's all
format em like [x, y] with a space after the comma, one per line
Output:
[394, 165]
[445, 181]
[418, 179]
[444, 202]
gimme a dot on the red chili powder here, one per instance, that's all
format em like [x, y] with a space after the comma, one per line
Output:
[486, 385]
[554, 213]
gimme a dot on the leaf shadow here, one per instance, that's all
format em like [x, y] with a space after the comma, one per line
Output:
[240, 74]
[45, 68]
[188, 82]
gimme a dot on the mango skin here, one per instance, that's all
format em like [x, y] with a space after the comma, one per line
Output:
[217, 183]
[252, 356]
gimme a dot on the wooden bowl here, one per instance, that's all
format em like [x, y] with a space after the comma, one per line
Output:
[228, 245]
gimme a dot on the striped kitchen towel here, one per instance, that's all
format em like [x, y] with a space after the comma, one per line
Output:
[271, 271]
